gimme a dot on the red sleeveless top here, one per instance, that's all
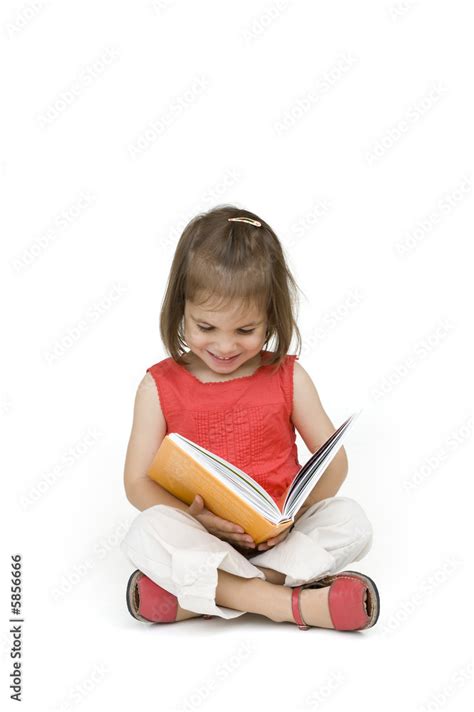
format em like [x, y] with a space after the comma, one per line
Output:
[245, 420]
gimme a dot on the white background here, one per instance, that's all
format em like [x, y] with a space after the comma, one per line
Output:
[346, 126]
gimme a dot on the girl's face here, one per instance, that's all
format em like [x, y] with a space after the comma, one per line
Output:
[224, 339]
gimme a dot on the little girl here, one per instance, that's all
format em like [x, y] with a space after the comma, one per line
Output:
[229, 292]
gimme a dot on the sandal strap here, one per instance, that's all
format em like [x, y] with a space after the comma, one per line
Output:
[345, 600]
[296, 610]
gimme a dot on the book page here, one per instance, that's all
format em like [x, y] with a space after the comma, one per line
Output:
[310, 473]
[238, 481]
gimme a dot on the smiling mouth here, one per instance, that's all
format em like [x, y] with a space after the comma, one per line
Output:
[219, 358]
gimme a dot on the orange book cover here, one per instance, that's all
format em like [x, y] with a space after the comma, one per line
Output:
[184, 477]
[186, 469]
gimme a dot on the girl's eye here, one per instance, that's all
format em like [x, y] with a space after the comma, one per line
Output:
[210, 328]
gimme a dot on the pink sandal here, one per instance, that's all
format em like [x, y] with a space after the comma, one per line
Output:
[148, 602]
[345, 600]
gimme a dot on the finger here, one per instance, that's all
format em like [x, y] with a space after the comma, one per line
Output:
[196, 505]
[277, 539]
[218, 522]
[226, 526]
[241, 539]
[247, 544]
[225, 536]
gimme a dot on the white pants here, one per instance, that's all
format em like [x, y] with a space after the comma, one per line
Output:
[177, 552]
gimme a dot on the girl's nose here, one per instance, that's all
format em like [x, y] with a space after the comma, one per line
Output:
[227, 348]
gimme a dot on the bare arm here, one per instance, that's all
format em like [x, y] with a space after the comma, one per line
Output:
[145, 493]
[315, 427]
[148, 431]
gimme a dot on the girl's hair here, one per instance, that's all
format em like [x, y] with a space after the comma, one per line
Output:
[231, 261]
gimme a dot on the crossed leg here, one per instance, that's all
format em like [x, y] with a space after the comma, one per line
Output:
[272, 600]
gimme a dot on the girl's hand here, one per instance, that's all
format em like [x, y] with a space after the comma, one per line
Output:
[222, 528]
[277, 539]
[264, 545]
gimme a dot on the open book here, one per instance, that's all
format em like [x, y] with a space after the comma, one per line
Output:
[185, 469]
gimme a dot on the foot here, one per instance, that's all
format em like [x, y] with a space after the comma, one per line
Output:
[315, 608]
[181, 613]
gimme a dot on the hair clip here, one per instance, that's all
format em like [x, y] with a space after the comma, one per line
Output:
[247, 220]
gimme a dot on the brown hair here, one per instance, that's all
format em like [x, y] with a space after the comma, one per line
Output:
[230, 260]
